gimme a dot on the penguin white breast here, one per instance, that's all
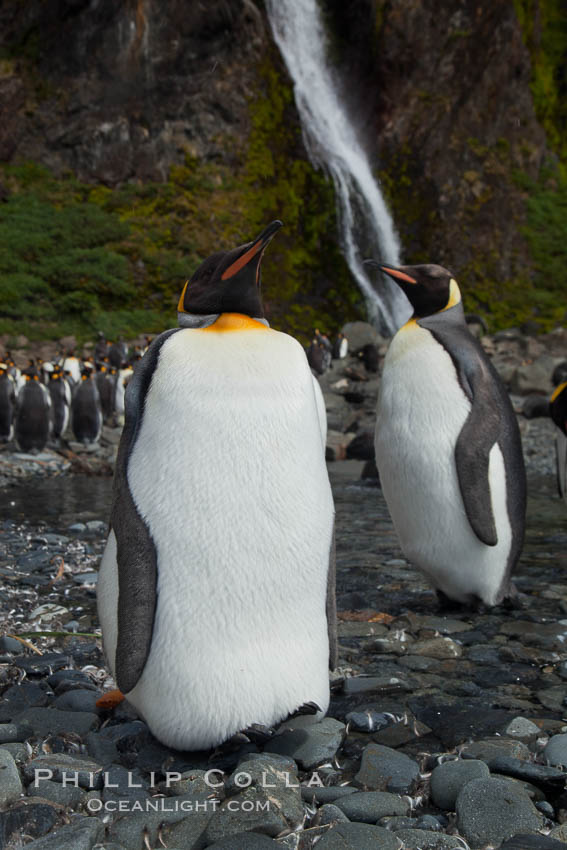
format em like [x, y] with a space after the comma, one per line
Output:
[228, 472]
[421, 411]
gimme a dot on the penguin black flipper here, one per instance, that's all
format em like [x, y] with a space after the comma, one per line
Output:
[136, 555]
[490, 421]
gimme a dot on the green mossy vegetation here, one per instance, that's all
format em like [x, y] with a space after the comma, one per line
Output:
[76, 258]
[544, 29]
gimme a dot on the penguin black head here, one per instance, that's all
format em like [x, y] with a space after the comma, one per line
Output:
[429, 288]
[558, 407]
[229, 281]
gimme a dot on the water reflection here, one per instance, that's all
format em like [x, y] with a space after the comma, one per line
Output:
[59, 502]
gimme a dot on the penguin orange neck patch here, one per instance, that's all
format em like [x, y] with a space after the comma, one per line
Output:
[234, 322]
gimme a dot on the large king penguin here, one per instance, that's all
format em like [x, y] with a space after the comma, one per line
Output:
[216, 587]
[448, 446]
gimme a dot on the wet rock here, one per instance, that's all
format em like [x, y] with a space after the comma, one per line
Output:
[358, 836]
[455, 722]
[78, 678]
[385, 769]
[382, 684]
[326, 795]
[275, 781]
[548, 778]
[546, 809]
[101, 748]
[182, 821]
[83, 834]
[399, 734]
[41, 665]
[419, 839]
[64, 795]
[522, 728]
[449, 778]
[242, 813]
[51, 721]
[77, 700]
[367, 721]
[26, 818]
[442, 647]
[9, 644]
[491, 810]
[10, 782]
[61, 767]
[329, 814]
[11, 733]
[311, 744]
[190, 782]
[19, 752]
[532, 842]
[244, 841]
[370, 806]
[555, 751]
[122, 784]
[487, 749]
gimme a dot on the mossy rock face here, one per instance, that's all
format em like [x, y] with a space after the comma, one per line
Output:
[114, 255]
[453, 105]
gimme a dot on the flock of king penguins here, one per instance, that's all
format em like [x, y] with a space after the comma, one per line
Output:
[222, 522]
[38, 403]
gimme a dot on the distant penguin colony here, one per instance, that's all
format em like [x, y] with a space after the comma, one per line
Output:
[81, 395]
[216, 588]
[448, 448]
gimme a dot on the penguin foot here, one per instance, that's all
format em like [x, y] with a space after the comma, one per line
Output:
[259, 734]
[230, 746]
[306, 708]
[110, 700]
[448, 605]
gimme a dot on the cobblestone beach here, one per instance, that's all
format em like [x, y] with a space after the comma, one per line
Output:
[445, 730]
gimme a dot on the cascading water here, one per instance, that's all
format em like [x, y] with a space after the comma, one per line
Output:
[365, 224]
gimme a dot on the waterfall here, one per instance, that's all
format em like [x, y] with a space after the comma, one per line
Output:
[365, 224]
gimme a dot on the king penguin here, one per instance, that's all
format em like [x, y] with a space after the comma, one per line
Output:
[216, 587]
[448, 447]
[7, 404]
[33, 414]
[86, 412]
[558, 412]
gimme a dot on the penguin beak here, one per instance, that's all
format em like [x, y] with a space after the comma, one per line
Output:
[397, 274]
[258, 246]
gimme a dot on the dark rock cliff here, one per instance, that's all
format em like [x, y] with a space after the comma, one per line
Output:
[125, 93]
[444, 95]
[115, 91]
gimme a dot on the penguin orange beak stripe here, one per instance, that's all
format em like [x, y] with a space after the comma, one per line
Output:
[242, 261]
[182, 298]
[396, 273]
[259, 245]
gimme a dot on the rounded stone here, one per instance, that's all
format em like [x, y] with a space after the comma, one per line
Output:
[449, 778]
[370, 806]
[10, 782]
[491, 810]
[555, 751]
